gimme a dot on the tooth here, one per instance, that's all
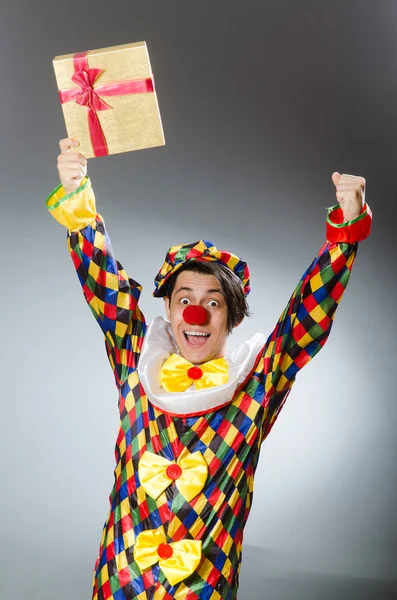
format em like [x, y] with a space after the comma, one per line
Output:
[200, 334]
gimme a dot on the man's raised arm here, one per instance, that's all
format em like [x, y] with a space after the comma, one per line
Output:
[110, 294]
[305, 323]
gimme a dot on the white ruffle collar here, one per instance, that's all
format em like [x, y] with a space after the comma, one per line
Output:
[157, 346]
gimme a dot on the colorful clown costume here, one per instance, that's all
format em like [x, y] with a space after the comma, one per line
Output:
[185, 461]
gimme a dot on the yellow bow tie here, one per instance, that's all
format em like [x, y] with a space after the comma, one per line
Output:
[178, 374]
[189, 472]
[177, 560]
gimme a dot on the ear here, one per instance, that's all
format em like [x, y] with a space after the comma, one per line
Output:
[167, 307]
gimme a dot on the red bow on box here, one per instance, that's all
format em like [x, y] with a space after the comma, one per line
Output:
[86, 95]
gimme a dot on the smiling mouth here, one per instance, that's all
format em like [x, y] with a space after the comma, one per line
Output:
[196, 339]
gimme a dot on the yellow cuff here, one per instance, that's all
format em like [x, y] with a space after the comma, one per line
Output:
[76, 210]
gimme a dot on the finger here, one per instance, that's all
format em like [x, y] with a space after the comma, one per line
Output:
[68, 143]
[352, 178]
[72, 176]
[348, 188]
[78, 176]
[72, 157]
[70, 166]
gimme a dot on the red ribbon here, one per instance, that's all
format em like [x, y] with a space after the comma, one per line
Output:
[86, 95]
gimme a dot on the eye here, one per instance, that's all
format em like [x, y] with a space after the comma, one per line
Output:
[184, 301]
[213, 303]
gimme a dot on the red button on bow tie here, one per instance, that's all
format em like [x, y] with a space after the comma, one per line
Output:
[173, 471]
[195, 373]
[165, 551]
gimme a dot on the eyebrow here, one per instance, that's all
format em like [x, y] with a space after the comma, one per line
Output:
[188, 289]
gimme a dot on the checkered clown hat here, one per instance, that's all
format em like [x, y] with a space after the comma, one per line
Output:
[202, 250]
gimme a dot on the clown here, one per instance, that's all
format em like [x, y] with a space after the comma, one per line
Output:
[192, 416]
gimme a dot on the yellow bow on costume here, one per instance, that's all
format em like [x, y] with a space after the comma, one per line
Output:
[178, 374]
[156, 473]
[177, 560]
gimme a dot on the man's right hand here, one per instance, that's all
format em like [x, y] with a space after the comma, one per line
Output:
[72, 166]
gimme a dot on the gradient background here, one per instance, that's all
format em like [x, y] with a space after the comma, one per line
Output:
[261, 102]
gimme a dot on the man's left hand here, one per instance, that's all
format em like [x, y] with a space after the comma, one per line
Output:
[350, 193]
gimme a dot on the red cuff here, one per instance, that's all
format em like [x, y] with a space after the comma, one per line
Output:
[352, 231]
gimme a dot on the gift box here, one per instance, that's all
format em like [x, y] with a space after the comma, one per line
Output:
[108, 99]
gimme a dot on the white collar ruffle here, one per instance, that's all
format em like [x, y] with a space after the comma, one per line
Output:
[159, 344]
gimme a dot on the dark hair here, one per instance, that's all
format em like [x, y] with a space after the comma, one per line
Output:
[237, 307]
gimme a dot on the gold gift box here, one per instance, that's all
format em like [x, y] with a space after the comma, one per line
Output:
[133, 122]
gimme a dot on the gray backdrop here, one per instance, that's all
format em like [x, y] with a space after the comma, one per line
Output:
[261, 102]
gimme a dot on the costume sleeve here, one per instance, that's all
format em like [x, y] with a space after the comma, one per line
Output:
[305, 323]
[110, 294]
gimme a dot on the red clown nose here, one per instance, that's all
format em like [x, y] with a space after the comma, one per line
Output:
[195, 315]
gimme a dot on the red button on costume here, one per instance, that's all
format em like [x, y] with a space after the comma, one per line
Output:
[174, 471]
[165, 551]
[195, 373]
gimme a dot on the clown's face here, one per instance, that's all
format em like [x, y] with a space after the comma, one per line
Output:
[203, 290]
